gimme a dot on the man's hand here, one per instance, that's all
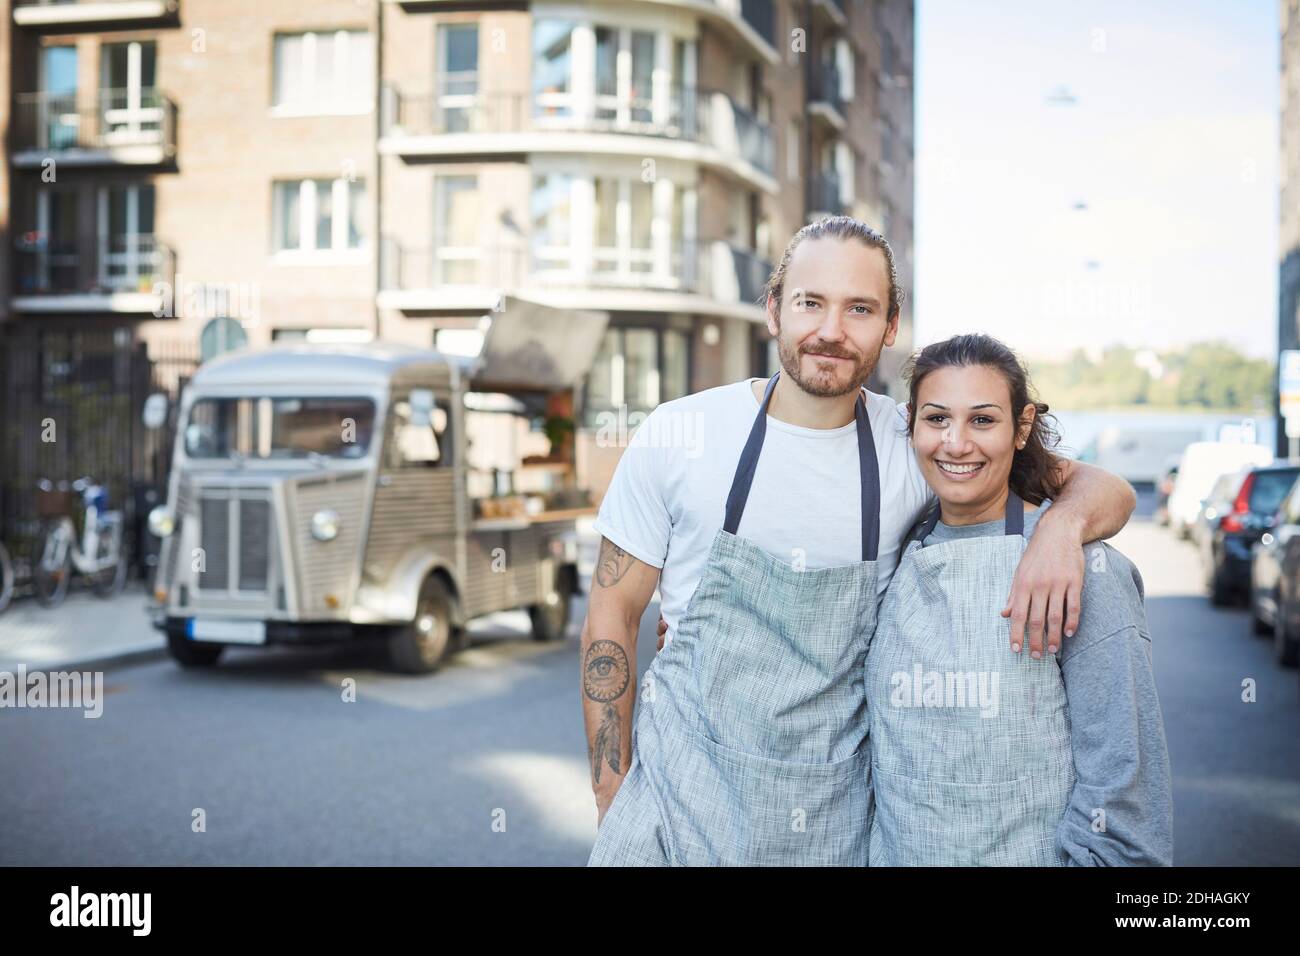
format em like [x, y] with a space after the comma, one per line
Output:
[1045, 591]
[663, 629]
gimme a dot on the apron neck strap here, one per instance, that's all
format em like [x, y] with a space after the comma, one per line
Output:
[1013, 522]
[868, 473]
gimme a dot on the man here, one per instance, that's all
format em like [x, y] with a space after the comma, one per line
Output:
[771, 537]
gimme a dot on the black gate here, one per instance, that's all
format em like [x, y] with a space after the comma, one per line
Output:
[71, 402]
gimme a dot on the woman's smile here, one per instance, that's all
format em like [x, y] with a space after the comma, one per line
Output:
[959, 471]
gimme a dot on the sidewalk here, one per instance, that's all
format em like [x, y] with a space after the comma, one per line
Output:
[84, 631]
[88, 630]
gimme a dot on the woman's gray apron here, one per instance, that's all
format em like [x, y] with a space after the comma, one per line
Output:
[970, 742]
[750, 740]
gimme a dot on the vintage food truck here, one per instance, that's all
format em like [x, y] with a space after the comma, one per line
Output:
[324, 493]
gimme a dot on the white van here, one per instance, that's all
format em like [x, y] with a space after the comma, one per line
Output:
[1202, 464]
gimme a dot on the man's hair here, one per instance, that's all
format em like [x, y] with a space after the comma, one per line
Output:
[836, 227]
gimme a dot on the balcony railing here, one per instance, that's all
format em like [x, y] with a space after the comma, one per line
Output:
[713, 269]
[704, 116]
[828, 86]
[118, 123]
[48, 266]
[825, 198]
[513, 266]
[58, 12]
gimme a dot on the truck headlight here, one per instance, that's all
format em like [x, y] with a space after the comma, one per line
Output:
[325, 525]
[161, 521]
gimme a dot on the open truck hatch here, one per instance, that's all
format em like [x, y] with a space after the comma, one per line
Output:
[534, 346]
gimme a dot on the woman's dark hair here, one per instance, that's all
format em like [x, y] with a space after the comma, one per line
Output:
[1035, 471]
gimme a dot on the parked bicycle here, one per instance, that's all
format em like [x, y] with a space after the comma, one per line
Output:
[100, 553]
[6, 577]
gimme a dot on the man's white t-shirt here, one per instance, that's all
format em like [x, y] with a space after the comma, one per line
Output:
[668, 497]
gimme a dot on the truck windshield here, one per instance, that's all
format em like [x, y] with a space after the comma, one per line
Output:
[278, 428]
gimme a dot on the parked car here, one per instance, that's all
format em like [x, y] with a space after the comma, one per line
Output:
[1213, 506]
[1275, 580]
[1201, 465]
[1234, 522]
[327, 493]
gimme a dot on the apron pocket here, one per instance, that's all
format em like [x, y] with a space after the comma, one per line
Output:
[921, 822]
[751, 810]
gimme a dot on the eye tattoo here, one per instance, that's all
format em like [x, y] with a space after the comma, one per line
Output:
[605, 671]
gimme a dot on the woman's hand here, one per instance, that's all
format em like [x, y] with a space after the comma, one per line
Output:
[663, 629]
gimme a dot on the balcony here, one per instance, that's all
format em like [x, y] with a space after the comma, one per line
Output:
[833, 11]
[751, 23]
[824, 194]
[60, 13]
[120, 128]
[681, 275]
[120, 274]
[826, 104]
[704, 126]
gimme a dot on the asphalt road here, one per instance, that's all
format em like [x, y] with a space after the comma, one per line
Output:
[484, 762]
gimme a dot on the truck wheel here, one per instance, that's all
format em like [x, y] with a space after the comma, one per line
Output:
[551, 618]
[419, 647]
[189, 654]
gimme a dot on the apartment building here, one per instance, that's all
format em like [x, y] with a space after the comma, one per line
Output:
[223, 171]
[1288, 168]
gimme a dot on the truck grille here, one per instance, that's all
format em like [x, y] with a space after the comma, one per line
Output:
[236, 537]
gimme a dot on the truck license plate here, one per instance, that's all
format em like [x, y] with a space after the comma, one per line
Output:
[230, 632]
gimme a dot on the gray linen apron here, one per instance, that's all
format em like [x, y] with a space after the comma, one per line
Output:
[750, 739]
[965, 773]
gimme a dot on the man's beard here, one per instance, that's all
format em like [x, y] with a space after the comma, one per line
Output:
[824, 384]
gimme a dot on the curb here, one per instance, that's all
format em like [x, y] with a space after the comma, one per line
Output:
[99, 662]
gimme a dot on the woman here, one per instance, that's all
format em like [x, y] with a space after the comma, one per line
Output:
[981, 756]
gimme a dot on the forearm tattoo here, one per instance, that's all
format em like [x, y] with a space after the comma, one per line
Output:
[612, 563]
[605, 678]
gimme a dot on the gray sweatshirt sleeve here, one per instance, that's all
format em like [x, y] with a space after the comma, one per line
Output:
[1121, 808]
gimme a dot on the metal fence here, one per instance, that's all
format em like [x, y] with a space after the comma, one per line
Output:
[70, 406]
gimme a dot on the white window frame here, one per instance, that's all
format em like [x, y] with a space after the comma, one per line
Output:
[133, 261]
[582, 100]
[132, 124]
[341, 206]
[845, 62]
[448, 253]
[844, 165]
[338, 101]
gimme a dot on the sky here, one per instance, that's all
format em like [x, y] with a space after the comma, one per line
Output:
[1143, 213]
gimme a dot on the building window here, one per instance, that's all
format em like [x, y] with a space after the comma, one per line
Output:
[792, 152]
[636, 368]
[131, 111]
[323, 72]
[624, 212]
[128, 255]
[317, 215]
[602, 75]
[456, 230]
[458, 81]
[552, 221]
[552, 63]
[624, 63]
